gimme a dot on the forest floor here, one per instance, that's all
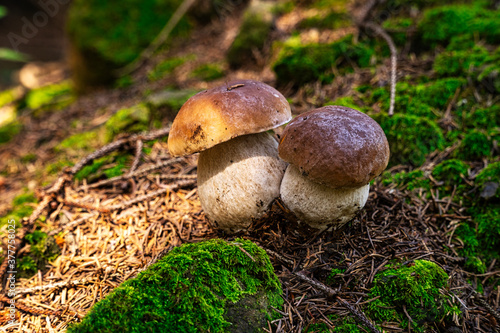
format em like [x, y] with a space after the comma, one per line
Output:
[94, 203]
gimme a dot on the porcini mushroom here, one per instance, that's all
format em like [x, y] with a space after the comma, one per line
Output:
[239, 171]
[334, 152]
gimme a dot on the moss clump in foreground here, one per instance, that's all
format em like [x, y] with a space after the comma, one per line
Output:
[211, 286]
[418, 289]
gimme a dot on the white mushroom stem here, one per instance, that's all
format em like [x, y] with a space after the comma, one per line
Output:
[318, 205]
[239, 179]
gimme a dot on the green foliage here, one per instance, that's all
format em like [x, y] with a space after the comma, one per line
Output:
[417, 289]
[100, 27]
[189, 290]
[456, 20]
[56, 96]
[208, 72]
[254, 30]
[301, 64]
[451, 172]
[411, 138]
[43, 249]
[164, 68]
[131, 120]
[474, 146]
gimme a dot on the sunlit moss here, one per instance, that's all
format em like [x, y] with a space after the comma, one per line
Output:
[55, 96]
[43, 249]
[211, 286]
[415, 288]
[130, 120]
[22, 206]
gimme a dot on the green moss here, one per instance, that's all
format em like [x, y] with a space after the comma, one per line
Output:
[474, 146]
[9, 131]
[490, 174]
[190, 290]
[99, 26]
[416, 288]
[253, 34]
[22, 206]
[326, 20]
[55, 96]
[8, 96]
[411, 138]
[208, 72]
[410, 180]
[440, 24]
[301, 64]
[56, 167]
[164, 68]
[131, 120]
[451, 171]
[460, 63]
[43, 249]
[487, 119]
[398, 28]
[345, 101]
[81, 142]
[345, 324]
[439, 93]
[108, 166]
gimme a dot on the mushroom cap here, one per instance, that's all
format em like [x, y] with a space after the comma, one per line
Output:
[217, 115]
[335, 146]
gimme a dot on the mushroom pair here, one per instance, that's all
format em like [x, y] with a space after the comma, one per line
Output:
[239, 171]
[334, 152]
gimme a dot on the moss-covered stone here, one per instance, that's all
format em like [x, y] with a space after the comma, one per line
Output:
[253, 34]
[411, 138]
[208, 72]
[474, 146]
[130, 120]
[102, 40]
[190, 290]
[300, 64]
[416, 288]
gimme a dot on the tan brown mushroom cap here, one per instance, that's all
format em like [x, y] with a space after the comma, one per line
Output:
[217, 115]
[336, 146]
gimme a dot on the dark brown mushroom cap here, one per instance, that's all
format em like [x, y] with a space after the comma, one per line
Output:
[217, 115]
[336, 146]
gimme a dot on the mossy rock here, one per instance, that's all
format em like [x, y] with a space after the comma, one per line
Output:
[198, 287]
[474, 146]
[102, 40]
[300, 64]
[439, 25]
[417, 288]
[411, 138]
[253, 35]
[130, 120]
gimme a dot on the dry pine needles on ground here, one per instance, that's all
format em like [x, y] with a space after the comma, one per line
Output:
[111, 230]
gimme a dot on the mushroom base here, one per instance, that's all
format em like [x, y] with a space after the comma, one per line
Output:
[239, 179]
[318, 205]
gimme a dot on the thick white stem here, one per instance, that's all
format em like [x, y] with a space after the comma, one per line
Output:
[319, 205]
[239, 179]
